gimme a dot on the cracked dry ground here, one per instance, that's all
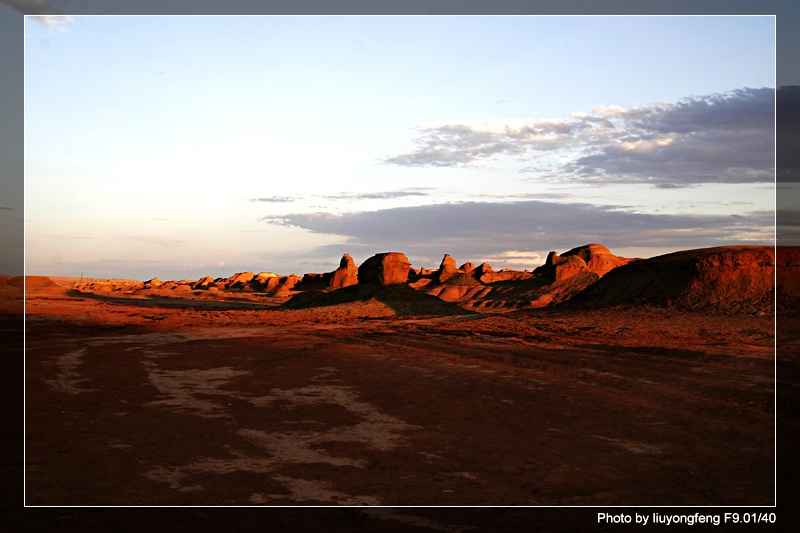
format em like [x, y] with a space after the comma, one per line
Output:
[128, 405]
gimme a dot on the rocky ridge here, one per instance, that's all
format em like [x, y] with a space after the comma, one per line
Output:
[729, 279]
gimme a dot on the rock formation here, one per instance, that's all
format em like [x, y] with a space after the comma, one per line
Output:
[264, 277]
[384, 269]
[345, 275]
[447, 269]
[558, 268]
[467, 268]
[36, 284]
[726, 278]
[265, 281]
[239, 280]
[205, 283]
[568, 266]
[587, 258]
[484, 273]
[314, 282]
[733, 279]
[597, 258]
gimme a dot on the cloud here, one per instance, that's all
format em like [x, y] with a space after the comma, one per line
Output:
[717, 138]
[158, 240]
[6, 208]
[480, 229]
[80, 235]
[514, 259]
[161, 240]
[381, 195]
[375, 195]
[468, 142]
[273, 199]
[673, 185]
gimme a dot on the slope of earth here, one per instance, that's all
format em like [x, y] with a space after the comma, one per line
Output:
[733, 279]
[129, 404]
[507, 295]
[395, 299]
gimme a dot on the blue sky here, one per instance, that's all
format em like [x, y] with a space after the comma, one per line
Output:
[185, 146]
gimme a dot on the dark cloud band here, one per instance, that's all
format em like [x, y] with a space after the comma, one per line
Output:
[479, 228]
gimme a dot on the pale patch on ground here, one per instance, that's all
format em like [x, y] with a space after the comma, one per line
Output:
[295, 447]
[303, 490]
[377, 430]
[633, 446]
[68, 379]
[468, 475]
[174, 476]
[183, 387]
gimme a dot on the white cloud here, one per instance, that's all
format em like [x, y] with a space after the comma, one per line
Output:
[608, 111]
[515, 259]
[641, 146]
[717, 138]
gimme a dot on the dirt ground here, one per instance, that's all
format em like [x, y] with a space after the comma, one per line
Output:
[170, 402]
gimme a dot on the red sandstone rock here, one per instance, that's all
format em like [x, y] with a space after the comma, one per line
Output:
[447, 269]
[313, 282]
[204, 283]
[726, 278]
[467, 267]
[345, 275]
[569, 266]
[239, 280]
[590, 257]
[484, 273]
[597, 257]
[384, 269]
[289, 281]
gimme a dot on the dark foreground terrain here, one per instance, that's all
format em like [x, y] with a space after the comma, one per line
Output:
[149, 402]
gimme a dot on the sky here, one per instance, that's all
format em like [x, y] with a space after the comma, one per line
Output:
[179, 147]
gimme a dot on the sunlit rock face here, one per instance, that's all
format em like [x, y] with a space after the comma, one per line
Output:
[447, 269]
[345, 275]
[726, 278]
[594, 258]
[558, 268]
[598, 258]
[384, 269]
[569, 266]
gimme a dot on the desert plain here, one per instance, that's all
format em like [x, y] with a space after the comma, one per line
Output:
[591, 380]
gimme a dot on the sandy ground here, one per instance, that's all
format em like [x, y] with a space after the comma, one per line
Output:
[149, 402]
